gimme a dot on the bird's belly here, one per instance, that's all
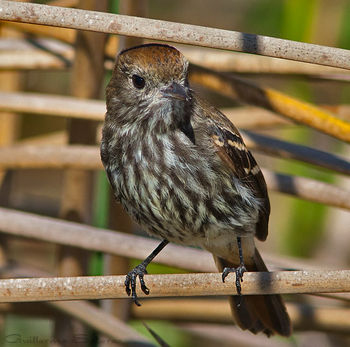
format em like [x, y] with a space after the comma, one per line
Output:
[225, 246]
[183, 205]
[191, 224]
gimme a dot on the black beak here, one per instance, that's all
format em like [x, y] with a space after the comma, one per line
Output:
[176, 91]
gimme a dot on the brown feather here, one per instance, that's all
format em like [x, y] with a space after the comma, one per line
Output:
[233, 152]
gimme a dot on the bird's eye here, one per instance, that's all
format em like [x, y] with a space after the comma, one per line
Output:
[138, 81]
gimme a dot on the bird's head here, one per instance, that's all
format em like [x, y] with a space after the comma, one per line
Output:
[149, 83]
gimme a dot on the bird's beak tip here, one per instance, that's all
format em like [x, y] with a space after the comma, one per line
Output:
[176, 91]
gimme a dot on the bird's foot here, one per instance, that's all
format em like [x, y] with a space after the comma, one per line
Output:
[239, 271]
[130, 282]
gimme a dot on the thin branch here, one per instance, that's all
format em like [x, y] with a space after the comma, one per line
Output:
[45, 55]
[53, 105]
[53, 157]
[173, 32]
[83, 236]
[58, 231]
[206, 310]
[71, 157]
[95, 109]
[270, 99]
[87, 157]
[66, 106]
[308, 189]
[182, 310]
[52, 230]
[203, 284]
[288, 150]
[251, 64]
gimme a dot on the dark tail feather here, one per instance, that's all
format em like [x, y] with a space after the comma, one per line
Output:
[258, 313]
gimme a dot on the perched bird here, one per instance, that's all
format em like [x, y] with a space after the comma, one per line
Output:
[181, 170]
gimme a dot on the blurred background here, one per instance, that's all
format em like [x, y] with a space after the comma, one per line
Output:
[61, 62]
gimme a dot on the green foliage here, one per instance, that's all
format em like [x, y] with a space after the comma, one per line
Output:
[297, 19]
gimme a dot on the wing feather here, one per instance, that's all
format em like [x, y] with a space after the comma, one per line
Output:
[234, 153]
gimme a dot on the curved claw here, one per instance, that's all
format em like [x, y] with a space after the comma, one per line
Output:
[130, 282]
[143, 285]
[239, 271]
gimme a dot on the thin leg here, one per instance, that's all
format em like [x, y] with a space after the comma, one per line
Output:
[240, 270]
[141, 270]
[240, 251]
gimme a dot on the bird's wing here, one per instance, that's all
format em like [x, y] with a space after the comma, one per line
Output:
[233, 152]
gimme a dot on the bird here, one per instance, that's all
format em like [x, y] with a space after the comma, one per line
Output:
[181, 170]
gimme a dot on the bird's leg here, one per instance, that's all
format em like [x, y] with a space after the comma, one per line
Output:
[240, 270]
[141, 270]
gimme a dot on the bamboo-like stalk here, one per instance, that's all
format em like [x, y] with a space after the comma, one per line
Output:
[84, 236]
[53, 105]
[308, 189]
[273, 100]
[94, 110]
[253, 64]
[66, 106]
[288, 150]
[53, 157]
[175, 285]
[27, 156]
[331, 319]
[65, 35]
[173, 32]
[52, 230]
[81, 158]
[46, 56]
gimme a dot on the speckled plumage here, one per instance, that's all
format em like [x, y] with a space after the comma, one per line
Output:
[177, 164]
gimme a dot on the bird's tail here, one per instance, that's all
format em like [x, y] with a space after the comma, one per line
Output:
[258, 313]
